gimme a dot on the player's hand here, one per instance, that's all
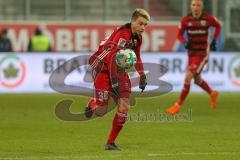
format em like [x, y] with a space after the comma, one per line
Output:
[115, 86]
[143, 82]
[188, 45]
[213, 46]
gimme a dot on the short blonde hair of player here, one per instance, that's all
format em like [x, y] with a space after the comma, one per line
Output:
[140, 13]
[197, 0]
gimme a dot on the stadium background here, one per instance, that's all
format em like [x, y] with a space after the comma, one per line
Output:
[99, 13]
[76, 27]
[29, 126]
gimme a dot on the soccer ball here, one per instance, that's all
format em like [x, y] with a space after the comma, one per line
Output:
[126, 58]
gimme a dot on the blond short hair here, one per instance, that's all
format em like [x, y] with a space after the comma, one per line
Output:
[140, 13]
[197, 0]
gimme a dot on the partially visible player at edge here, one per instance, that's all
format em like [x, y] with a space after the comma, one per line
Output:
[108, 78]
[196, 25]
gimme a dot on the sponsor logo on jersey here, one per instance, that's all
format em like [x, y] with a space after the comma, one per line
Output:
[135, 42]
[121, 43]
[203, 22]
[190, 24]
[197, 31]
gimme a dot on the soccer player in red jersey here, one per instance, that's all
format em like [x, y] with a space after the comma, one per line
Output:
[108, 78]
[196, 25]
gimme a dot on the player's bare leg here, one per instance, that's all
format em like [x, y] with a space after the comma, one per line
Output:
[118, 122]
[177, 106]
[213, 94]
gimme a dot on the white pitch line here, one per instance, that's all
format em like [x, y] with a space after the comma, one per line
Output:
[191, 153]
[59, 157]
[118, 156]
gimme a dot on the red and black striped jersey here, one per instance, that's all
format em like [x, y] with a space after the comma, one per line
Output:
[197, 30]
[122, 37]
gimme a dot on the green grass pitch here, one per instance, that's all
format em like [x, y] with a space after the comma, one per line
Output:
[29, 130]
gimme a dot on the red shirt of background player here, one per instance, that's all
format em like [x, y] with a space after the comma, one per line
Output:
[197, 26]
[197, 30]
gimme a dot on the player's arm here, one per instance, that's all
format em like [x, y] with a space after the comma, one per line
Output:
[113, 73]
[215, 23]
[181, 30]
[119, 40]
[140, 69]
[139, 65]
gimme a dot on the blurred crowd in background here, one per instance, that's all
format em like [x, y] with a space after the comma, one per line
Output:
[16, 14]
[38, 43]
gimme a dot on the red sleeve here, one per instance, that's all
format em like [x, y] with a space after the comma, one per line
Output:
[112, 67]
[181, 30]
[139, 65]
[120, 39]
[215, 23]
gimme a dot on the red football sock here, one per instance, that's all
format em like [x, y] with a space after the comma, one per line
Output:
[117, 124]
[184, 94]
[205, 87]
